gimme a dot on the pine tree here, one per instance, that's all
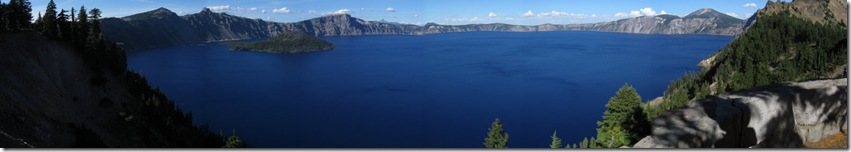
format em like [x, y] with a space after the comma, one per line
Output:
[82, 27]
[584, 143]
[49, 21]
[556, 141]
[94, 15]
[3, 16]
[63, 25]
[592, 143]
[233, 141]
[497, 138]
[19, 14]
[622, 120]
[574, 146]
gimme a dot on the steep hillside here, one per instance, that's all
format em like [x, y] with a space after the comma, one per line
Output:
[703, 21]
[205, 26]
[782, 45]
[156, 28]
[210, 26]
[51, 98]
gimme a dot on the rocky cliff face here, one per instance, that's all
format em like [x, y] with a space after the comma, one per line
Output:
[785, 115]
[162, 28]
[156, 28]
[703, 21]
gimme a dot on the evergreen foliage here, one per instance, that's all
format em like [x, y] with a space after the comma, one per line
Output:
[778, 48]
[17, 15]
[584, 143]
[48, 22]
[623, 121]
[497, 138]
[233, 141]
[556, 141]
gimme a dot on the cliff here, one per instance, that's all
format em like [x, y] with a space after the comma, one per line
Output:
[51, 97]
[163, 28]
[788, 115]
[703, 21]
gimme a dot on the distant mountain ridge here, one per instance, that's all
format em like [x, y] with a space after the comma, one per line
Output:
[163, 28]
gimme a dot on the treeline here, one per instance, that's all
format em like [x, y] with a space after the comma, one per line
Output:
[777, 48]
[159, 121]
[624, 123]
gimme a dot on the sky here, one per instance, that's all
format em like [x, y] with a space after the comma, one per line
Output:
[449, 12]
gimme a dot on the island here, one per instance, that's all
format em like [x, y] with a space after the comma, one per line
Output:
[285, 42]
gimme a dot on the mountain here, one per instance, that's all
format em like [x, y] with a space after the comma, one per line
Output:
[703, 21]
[286, 42]
[156, 28]
[163, 28]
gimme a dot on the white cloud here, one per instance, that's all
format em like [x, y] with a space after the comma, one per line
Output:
[749, 5]
[640, 12]
[262, 11]
[648, 11]
[634, 13]
[491, 14]
[311, 11]
[268, 18]
[663, 12]
[341, 11]
[529, 13]
[221, 8]
[390, 9]
[562, 14]
[228, 8]
[416, 15]
[748, 15]
[733, 14]
[282, 10]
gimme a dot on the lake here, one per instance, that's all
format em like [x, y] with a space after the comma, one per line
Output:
[432, 91]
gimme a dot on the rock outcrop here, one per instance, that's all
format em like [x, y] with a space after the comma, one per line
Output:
[784, 115]
[703, 21]
[163, 28]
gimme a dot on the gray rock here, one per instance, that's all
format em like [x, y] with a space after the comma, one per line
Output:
[782, 115]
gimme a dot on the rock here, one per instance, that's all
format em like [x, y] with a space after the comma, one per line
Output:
[782, 115]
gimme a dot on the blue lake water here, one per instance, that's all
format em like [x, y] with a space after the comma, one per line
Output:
[433, 91]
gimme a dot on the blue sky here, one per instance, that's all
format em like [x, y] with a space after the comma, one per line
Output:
[454, 12]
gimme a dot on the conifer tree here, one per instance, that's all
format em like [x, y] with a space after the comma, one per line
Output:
[19, 14]
[497, 138]
[3, 16]
[233, 141]
[584, 143]
[592, 143]
[82, 27]
[556, 141]
[623, 119]
[49, 21]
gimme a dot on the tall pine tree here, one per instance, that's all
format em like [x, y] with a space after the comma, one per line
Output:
[19, 12]
[49, 21]
[497, 138]
[556, 141]
[82, 27]
[623, 121]
[3, 15]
